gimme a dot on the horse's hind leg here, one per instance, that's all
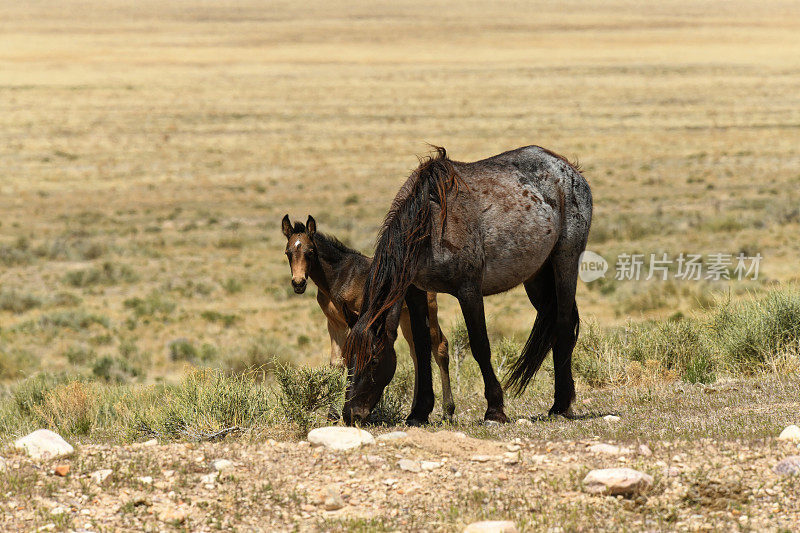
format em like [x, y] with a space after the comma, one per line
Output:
[471, 300]
[565, 270]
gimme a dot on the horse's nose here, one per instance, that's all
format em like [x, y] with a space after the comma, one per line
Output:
[299, 286]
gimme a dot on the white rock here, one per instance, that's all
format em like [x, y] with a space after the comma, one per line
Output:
[147, 480]
[339, 438]
[608, 449]
[222, 464]
[611, 418]
[44, 444]
[524, 422]
[615, 481]
[430, 465]
[788, 466]
[645, 450]
[333, 500]
[491, 526]
[481, 458]
[151, 442]
[394, 435]
[99, 476]
[791, 433]
[409, 466]
[209, 479]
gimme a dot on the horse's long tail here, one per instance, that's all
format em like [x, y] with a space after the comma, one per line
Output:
[542, 337]
[405, 235]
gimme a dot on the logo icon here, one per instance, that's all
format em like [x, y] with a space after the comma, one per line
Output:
[592, 266]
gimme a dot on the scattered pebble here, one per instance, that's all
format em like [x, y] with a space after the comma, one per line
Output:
[61, 470]
[146, 480]
[394, 435]
[790, 433]
[151, 442]
[333, 500]
[222, 464]
[788, 466]
[44, 444]
[209, 479]
[613, 481]
[409, 466]
[645, 450]
[339, 438]
[481, 458]
[99, 476]
[612, 418]
[608, 449]
[430, 465]
[524, 422]
[491, 526]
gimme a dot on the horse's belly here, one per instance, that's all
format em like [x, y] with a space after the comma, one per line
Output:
[518, 238]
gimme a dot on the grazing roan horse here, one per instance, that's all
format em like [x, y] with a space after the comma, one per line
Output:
[472, 230]
[339, 273]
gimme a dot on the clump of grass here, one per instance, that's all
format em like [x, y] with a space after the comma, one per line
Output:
[755, 333]
[107, 274]
[232, 286]
[18, 302]
[79, 354]
[153, 305]
[115, 369]
[15, 362]
[205, 403]
[227, 320]
[17, 253]
[74, 319]
[304, 392]
[182, 350]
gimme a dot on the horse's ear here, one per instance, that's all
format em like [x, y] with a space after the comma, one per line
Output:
[311, 226]
[286, 226]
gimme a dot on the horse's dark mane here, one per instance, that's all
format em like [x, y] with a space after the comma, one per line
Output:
[404, 236]
[328, 247]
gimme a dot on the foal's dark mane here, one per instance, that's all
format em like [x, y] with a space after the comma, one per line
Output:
[404, 236]
[329, 247]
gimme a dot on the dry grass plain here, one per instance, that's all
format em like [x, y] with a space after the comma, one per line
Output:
[150, 149]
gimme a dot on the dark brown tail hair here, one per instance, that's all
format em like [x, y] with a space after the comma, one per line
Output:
[405, 235]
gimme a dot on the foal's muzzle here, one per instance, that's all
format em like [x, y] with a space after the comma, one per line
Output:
[299, 286]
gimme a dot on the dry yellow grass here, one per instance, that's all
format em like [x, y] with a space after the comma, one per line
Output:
[175, 135]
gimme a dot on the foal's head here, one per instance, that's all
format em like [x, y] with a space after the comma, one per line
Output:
[300, 250]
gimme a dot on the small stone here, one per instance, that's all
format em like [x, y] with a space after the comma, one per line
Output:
[673, 471]
[303, 444]
[151, 442]
[209, 479]
[608, 449]
[394, 435]
[44, 444]
[339, 438]
[100, 476]
[170, 514]
[375, 459]
[430, 465]
[645, 450]
[222, 464]
[147, 480]
[390, 481]
[491, 423]
[491, 526]
[61, 470]
[788, 466]
[47, 527]
[481, 458]
[524, 422]
[612, 418]
[790, 433]
[333, 500]
[409, 466]
[613, 481]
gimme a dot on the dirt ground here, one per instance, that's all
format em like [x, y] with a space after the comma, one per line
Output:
[286, 486]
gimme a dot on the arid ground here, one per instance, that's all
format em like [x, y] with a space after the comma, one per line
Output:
[150, 149]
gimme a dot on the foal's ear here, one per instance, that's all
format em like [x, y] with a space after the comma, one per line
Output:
[286, 226]
[311, 226]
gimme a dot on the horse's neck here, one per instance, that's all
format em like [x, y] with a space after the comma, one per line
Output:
[332, 270]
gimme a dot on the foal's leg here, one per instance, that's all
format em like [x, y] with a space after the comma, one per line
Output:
[405, 328]
[423, 384]
[338, 334]
[565, 271]
[471, 300]
[441, 355]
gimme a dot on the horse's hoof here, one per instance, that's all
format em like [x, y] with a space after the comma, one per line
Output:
[498, 417]
[416, 422]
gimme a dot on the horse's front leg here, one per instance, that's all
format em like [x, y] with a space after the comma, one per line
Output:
[423, 383]
[471, 300]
